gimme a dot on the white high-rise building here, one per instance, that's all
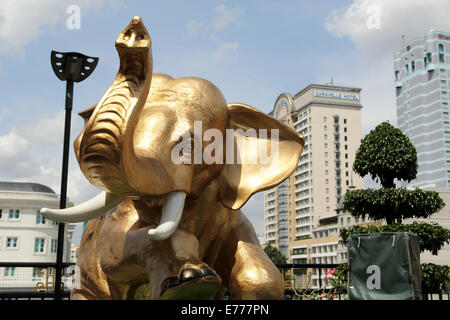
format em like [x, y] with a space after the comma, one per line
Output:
[300, 213]
[300, 216]
[422, 77]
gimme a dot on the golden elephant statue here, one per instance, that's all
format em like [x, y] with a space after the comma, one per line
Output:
[163, 219]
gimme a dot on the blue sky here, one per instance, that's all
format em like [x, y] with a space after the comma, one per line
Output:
[252, 50]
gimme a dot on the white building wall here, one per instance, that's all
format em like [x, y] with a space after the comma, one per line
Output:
[27, 230]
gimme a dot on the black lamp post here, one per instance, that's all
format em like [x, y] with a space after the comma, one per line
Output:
[70, 67]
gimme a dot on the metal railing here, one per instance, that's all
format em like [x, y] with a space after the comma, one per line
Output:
[34, 280]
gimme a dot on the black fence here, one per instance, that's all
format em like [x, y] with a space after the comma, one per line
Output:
[34, 281]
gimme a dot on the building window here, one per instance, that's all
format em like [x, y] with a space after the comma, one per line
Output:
[345, 129]
[11, 242]
[40, 219]
[441, 53]
[53, 246]
[326, 145]
[346, 164]
[1, 213]
[39, 245]
[345, 138]
[326, 154]
[327, 190]
[324, 119]
[326, 172]
[326, 181]
[346, 156]
[324, 128]
[326, 163]
[413, 66]
[347, 183]
[325, 136]
[10, 271]
[407, 68]
[396, 75]
[429, 58]
[14, 214]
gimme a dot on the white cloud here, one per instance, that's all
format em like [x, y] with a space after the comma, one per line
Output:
[193, 28]
[225, 49]
[32, 152]
[22, 21]
[50, 129]
[372, 70]
[224, 17]
[12, 146]
[411, 18]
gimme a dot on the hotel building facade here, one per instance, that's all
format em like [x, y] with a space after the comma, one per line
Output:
[422, 74]
[300, 213]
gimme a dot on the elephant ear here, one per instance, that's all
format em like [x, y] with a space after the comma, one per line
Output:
[86, 114]
[239, 180]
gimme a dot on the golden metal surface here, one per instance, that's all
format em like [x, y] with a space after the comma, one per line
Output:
[125, 149]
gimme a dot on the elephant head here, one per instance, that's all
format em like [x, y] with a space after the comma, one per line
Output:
[135, 136]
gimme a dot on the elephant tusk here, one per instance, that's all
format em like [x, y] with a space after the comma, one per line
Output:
[171, 216]
[90, 209]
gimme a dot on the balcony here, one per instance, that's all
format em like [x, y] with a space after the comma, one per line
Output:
[431, 67]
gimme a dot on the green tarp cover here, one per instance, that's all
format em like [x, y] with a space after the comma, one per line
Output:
[384, 266]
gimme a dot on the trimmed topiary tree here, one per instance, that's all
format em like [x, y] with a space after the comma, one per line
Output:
[387, 154]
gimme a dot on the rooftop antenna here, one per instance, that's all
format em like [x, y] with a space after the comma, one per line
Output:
[403, 39]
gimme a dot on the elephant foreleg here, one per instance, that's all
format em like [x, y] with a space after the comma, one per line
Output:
[245, 268]
[91, 282]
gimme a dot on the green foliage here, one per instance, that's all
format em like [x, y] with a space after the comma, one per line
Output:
[434, 278]
[274, 254]
[432, 236]
[337, 278]
[386, 153]
[392, 204]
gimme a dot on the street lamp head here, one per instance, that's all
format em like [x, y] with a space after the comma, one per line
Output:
[72, 66]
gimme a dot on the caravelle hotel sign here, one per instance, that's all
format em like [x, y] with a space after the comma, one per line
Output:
[336, 95]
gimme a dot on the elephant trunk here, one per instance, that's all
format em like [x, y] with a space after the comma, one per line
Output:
[101, 145]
